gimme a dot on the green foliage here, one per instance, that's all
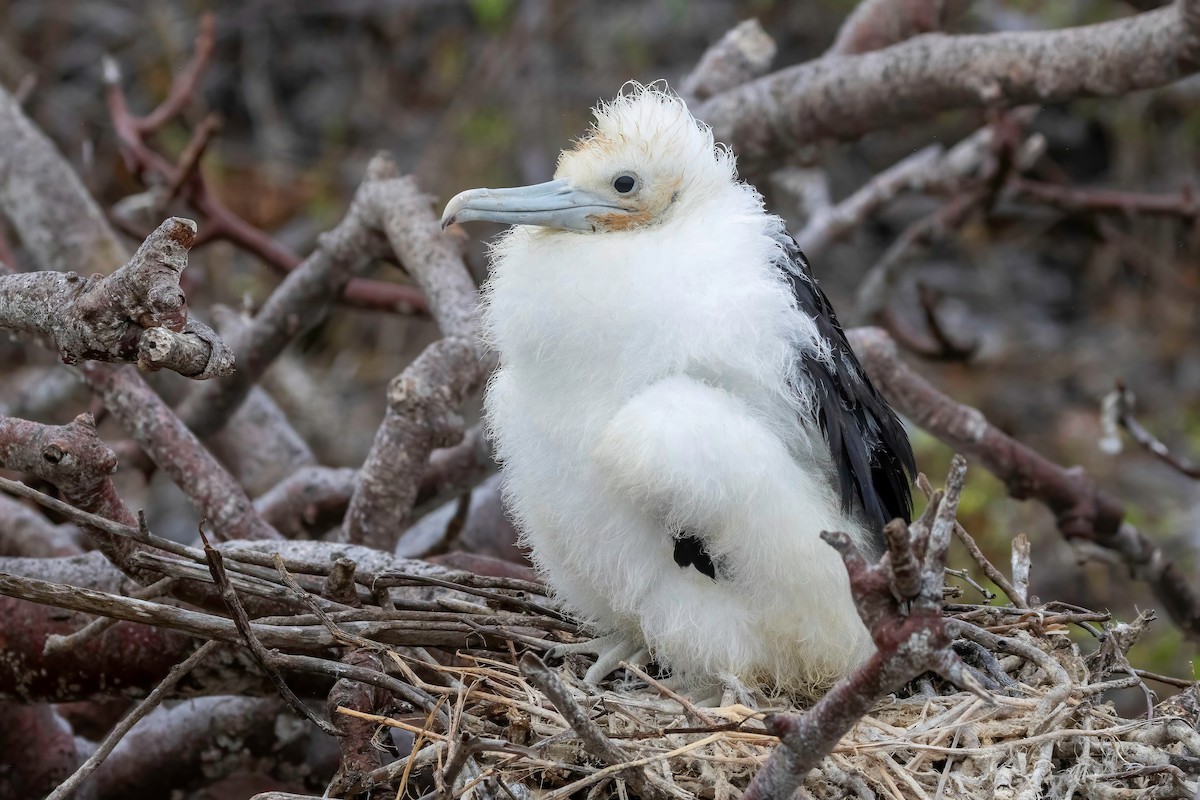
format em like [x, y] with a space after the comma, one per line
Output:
[492, 15]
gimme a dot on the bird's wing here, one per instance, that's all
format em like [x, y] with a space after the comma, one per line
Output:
[866, 439]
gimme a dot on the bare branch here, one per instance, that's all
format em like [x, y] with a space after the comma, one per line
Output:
[361, 756]
[301, 301]
[910, 635]
[220, 221]
[743, 53]
[424, 400]
[136, 314]
[1119, 404]
[423, 403]
[308, 502]
[146, 417]
[67, 787]
[843, 97]
[875, 24]
[73, 458]
[1082, 509]
[1181, 203]
[59, 223]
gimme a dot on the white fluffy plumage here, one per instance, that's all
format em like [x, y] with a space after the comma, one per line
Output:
[649, 388]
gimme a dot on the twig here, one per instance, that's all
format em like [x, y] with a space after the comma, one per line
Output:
[910, 635]
[220, 221]
[1119, 404]
[56, 643]
[1020, 569]
[1181, 203]
[183, 88]
[306, 295]
[68, 787]
[163, 436]
[217, 568]
[1082, 509]
[592, 737]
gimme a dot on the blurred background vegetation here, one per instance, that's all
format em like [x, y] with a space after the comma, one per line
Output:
[485, 92]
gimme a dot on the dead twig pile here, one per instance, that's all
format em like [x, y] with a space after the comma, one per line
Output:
[452, 661]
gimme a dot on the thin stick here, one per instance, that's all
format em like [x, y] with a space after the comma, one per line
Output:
[58, 643]
[68, 787]
[594, 740]
[261, 655]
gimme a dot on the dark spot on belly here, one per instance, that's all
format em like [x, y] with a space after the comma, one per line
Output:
[689, 552]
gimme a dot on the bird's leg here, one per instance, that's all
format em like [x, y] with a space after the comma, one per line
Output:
[609, 650]
[735, 692]
[728, 690]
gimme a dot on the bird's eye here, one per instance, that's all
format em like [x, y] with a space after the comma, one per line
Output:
[624, 184]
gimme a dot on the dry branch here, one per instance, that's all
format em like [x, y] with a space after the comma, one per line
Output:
[875, 24]
[74, 459]
[136, 314]
[361, 756]
[424, 400]
[59, 223]
[67, 787]
[184, 178]
[743, 53]
[843, 97]
[303, 299]
[1083, 510]
[146, 417]
[900, 600]
[423, 404]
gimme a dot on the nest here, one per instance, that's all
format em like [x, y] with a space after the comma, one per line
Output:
[1050, 732]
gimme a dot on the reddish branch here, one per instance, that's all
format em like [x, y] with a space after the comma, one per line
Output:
[361, 755]
[843, 97]
[186, 180]
[1181, 204]
[900, 600]
[125, 657]
[1083, 510]
[303, 299]
[74, 459]
[39, 750]
[136, 314]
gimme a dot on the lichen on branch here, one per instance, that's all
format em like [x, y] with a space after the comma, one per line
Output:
[137, 314]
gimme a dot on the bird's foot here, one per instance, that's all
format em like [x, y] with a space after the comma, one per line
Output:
[727, 690]
[609, 650]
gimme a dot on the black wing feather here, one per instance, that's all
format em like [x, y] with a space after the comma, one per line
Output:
[866, 439]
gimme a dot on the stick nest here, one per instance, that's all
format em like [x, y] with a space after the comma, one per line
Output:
[1050, 733]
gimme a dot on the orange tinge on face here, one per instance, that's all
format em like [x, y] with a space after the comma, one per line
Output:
[621, 221]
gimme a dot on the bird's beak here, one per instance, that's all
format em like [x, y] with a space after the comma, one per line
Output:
[555, 204]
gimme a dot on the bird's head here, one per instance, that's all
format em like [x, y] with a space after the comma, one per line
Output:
[644, 158]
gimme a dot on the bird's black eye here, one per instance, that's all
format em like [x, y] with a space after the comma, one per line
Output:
[624, 184]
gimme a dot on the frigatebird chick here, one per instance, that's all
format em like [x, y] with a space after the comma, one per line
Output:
[677, 412]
